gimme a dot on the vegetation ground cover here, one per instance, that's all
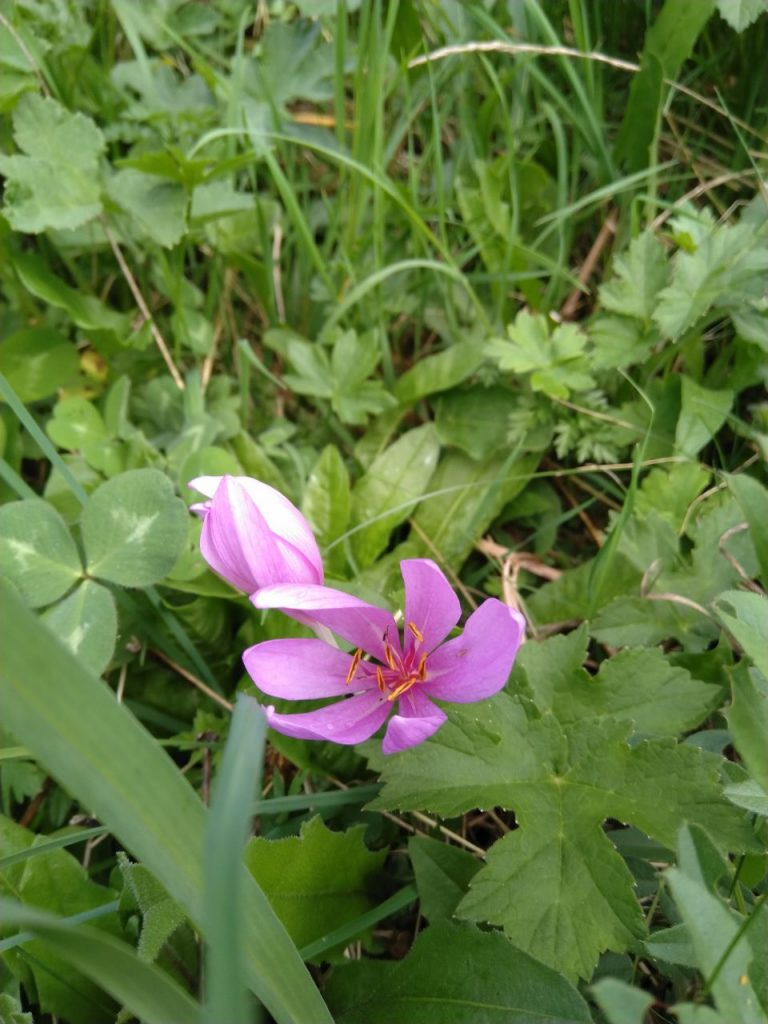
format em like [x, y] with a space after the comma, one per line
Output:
[482, 283]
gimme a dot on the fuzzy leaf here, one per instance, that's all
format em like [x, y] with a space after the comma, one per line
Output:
[157, 207]
[55, 183]
[443, 874]
[740, 14]
[562, 783]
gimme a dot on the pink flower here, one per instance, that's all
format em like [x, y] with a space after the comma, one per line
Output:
[253, 536]
[401, 676]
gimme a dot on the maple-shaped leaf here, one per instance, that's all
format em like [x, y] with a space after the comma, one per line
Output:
[562, 783]
[641, 273]
[638, 685]
[558, 363]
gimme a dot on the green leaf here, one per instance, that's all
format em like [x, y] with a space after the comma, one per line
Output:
[77, 426]
[748, 722]
[621, 1003]
[317, 881]
[639, 686]
[753, 501]
[750, 795]
[464, 498]
[740, 14]
[327, 502]
[55, 184]
[86, 621]
[390, 490]
[558, 363]
[37, 361]
[749, 624]
[84, 310]
[72, 722]
[459, 974]
[11, 1012]
[157, 207]
[37, 553]
[475, 420]
[134, 528]
[112, 965]
[562, 783]
[703, 413]
[160, 915]
[439, 372]
[443, 874]
[353, 360]
[641, 273]
[669, 491]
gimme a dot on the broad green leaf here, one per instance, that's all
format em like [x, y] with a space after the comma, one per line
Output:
[160, 915]
[640, 274]
[621, 1003]
[109, 963]
[747, 620]
[443, 874]
[55, 183]
[464, 497]
[134, 528]
[37, 361]
[696, 1013]
[750, 795]
[77, 426]
[562, 783]
[753, 500]
[740, 14]
[390, 490]
[475, 420]
[326, 502]
[37, 553]
[637, 685]
[157, 207]
[86, 621]
[458, 974]
[72, 722]
[84, 310]
[703, 413]
[748, 722]
[439, 372]
[638, 621]
[317, 881]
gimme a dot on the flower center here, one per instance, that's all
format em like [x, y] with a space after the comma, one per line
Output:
[400, 673]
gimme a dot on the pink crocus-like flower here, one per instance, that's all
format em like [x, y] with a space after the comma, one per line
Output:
[253, 536]
[401, 676]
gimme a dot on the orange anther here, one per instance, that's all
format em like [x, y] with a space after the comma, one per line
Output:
[422, 672]
[416, 632]
[390, 657]
[380, 680]
[354, 665]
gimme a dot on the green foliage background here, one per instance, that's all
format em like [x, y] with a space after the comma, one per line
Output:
[483, 282]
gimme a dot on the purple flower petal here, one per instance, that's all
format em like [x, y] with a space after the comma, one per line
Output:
[359, 623]
[476, 664]
[431, 607]
[417, 719]
[302, 669]
[347, 721]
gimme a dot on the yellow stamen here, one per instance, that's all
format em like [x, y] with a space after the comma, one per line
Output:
[354, 665]
[422, 672]
[414, 629]
[390, 657]
[380, 680]
[401, 689]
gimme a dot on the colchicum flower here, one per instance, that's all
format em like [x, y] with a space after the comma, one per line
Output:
[401, 676]
[253, 536]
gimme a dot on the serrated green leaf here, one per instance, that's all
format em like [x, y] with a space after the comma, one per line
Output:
[160, 914]
[390, 490]
[439, 372]
[55, 183]
[459, 974]
[562, 784]
[640, 274]
[134, 528]
[37, 361]
[740, 14]
[557, 363]
[443, 874]
[669, 491]
[702, 414]
[157, 207]
[37, 553]
[637, 685]
[86, 621]
[317, 881]
[11, 1012]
